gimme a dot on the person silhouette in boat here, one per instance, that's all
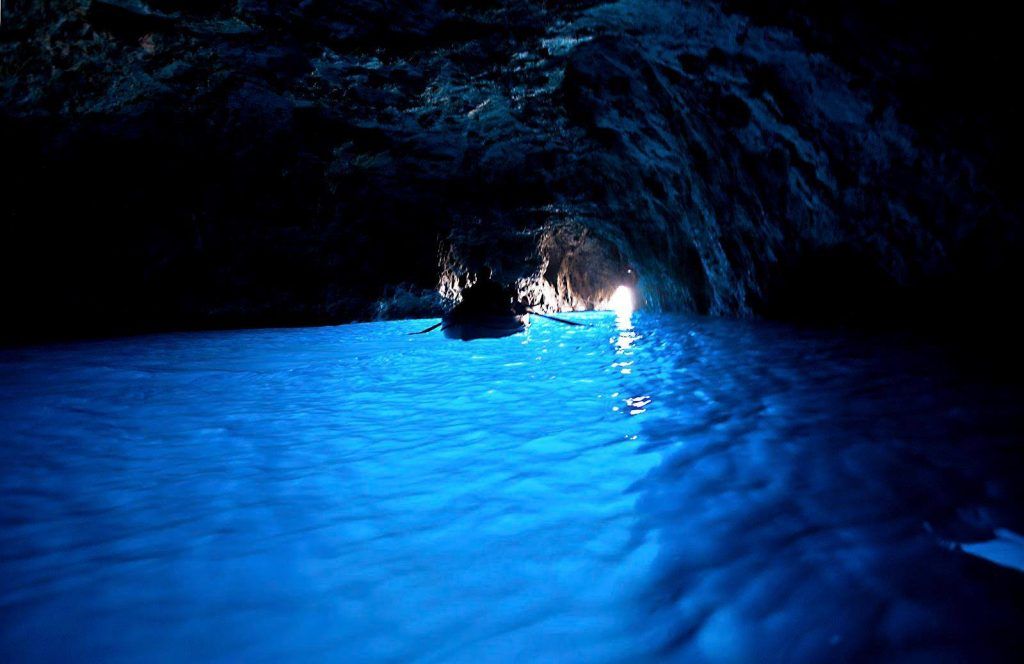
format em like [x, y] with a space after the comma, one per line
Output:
[482, 303]
[487, 297]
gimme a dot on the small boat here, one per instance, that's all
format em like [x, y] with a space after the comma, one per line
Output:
[467, 326]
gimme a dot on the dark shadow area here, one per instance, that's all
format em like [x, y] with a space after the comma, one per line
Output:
[185, 165]
[814, 495]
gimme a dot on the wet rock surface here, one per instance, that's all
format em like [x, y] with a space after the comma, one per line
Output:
[178, 164]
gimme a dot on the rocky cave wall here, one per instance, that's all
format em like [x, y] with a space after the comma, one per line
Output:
[175, 163]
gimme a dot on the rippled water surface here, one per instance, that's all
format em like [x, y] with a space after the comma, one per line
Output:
[667, 489]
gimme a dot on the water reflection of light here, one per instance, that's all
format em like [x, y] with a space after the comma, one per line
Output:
[639, 404]
[625, 347]
[625, 340]
[626, 337]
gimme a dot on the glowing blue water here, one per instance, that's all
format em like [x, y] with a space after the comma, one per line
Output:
[688, 489]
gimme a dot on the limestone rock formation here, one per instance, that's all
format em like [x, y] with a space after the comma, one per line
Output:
[179, 163]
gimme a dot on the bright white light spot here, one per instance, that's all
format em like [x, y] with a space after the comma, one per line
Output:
[621, 301]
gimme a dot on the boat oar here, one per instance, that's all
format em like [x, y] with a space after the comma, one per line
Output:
[558, 320]
[429, 329]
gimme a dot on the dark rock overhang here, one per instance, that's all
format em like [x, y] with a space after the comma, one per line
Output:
[246, 163]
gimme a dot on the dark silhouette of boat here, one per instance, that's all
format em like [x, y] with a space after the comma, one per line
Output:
[469, 325]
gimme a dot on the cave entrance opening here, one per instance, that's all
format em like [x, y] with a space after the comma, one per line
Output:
[622, 302]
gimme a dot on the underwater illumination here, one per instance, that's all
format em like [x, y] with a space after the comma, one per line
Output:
[621, 301]
[648, 488]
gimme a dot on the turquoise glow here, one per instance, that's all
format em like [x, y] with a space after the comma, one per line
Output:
[641, 489]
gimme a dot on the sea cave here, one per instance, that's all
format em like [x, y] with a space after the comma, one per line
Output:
[525, 330]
